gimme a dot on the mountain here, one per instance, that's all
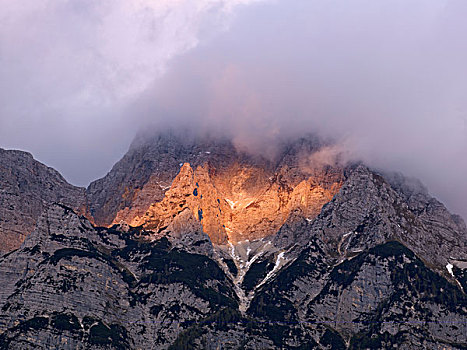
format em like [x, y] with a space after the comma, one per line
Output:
[27, 187]
[236, 196]
[190, 243]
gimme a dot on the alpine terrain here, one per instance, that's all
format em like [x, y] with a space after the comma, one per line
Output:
[190, 243]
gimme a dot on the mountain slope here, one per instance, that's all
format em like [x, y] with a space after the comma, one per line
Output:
[79, 287]
[239, 252]
[73, 285]
[27, 187]
[369, 210]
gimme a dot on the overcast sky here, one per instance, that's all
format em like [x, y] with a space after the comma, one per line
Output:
[79, 78]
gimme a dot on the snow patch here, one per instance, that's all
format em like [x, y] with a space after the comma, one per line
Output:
[231, 203]
[271, 273]
[278, 260]
[449, 267]
[244, 254]
[339, 246]
[163, 187]
[249, 203]
[232, 252]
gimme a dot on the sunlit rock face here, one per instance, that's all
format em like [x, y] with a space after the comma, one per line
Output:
[238, 203]
[235, 196]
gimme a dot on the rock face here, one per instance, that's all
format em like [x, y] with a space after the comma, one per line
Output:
[27, 187]
[235, 196]
[234, 205]
[147, 171]
[76, 287]
[370, 211]
[71, 286]
[383, 298]
[209, 248]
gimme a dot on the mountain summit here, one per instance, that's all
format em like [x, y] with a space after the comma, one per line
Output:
[235, 196]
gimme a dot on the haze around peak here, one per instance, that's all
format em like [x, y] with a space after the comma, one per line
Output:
[387, 79]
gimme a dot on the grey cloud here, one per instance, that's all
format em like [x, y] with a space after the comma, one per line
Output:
[69, 69]
[387, 78]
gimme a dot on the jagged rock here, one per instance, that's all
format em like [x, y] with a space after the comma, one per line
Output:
[146, 172]
[235, 196]
[78, 287]
[229, 251]
[382, 298]
[27, 187]
[186, 232]
[367, 211]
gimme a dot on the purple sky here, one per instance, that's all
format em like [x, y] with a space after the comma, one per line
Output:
[79, 78]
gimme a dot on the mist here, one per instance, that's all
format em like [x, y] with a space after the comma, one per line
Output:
[70, 69]
[387, 79]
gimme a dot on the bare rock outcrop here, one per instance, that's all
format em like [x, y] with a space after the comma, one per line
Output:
[73, 286]
[146, 172]
[27, 187]
[234, 195]
[368, 211]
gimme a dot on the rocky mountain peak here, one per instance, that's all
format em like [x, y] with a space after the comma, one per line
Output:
[236, 196]
[205, 246]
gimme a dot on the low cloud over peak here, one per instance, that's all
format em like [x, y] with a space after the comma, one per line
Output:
[387, 77]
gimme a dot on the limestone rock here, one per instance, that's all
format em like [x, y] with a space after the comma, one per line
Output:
[72, 286]
[27, 187]
[206, 247]
[76, 287]
[368, 211]
[235, 196]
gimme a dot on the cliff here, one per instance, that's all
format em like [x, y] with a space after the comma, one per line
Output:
[27, 187]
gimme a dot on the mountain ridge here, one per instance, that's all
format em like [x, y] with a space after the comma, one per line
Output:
[27, 188]
[260, 182]
[376, 263]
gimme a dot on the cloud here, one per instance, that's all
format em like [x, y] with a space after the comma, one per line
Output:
[68, 69]
[387, 77]
[332, 155]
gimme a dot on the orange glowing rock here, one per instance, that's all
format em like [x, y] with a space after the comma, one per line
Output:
[237, 203]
